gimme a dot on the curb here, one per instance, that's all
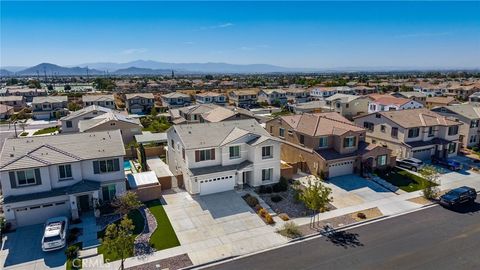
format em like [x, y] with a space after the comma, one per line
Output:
[209, 263]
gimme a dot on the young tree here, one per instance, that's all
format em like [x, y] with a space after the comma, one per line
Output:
[430, 188]
[119, 239]
[153, 111]
[126, 203]
[316, 198]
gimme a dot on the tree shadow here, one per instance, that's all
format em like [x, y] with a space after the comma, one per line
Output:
[344, 239]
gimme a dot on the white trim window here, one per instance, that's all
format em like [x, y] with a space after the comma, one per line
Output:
[281, 132]
[26, 178]
[234, 152]
[323, 142]
[267, 174]
[267, 152]
[65, 172]
[349, 142]
[382, 160]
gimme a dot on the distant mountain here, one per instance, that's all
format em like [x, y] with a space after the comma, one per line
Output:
[142, 71]
[14, 68]
[50, 69]
[4, 72]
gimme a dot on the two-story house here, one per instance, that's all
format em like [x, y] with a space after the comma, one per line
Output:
[319, 92]
[243, 98]
[327, 144]
[139, 102]
[200, 113]
[469, 115]
[176, 99]
[17, 102]
[216, 157]
[272, 96]
[107, 101]
[475, 97]
[48, 107]
[413, 95]
[211, 97]
[297, 95]
[47, 176]
[432, 102]
[27, 93]
[381, 103]
[417, 133]
[348, 105]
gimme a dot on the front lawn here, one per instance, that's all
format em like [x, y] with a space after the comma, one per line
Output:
[138, 222]
[404, 180]
[46, 130]
[164, 236]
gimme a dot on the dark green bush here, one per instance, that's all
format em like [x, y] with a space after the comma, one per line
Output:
[276, 198]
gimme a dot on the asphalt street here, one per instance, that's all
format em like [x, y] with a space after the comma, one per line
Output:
[433, 238]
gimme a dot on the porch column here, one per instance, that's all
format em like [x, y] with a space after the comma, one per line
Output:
[96, 201]
[73, 206]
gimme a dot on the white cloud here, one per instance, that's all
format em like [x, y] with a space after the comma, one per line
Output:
[223, 25]
[134, 51]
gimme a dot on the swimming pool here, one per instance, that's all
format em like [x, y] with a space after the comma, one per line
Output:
[127, 165]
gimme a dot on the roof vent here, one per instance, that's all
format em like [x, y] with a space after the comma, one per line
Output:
[11, 155]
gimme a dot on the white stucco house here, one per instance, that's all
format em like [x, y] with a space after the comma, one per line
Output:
[385, 103]
[48, 176]
[217, 157]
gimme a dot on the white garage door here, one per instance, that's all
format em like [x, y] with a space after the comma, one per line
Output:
[136, 110]
[40, 213]
[218, 184]
[340, 168]
[424, 154]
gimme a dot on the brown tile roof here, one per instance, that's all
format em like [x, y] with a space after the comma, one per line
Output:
[418, 118]
[320, 124]
[441, 100]
[388, 99]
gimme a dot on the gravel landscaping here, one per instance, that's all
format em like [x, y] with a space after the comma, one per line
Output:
[142, 241]
[172, 263]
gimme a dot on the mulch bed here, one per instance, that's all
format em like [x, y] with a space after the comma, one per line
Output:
[172, 263]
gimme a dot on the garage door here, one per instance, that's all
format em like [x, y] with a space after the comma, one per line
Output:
[423, 154]
[218, 184]
[340, 168]
[136, 110]
[40, 213]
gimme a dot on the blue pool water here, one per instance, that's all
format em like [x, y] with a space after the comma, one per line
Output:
[127, 165]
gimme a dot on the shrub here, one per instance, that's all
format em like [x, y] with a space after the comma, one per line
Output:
[276, 198]
[71, 252]
[265, 189]
[251, 200]
[290, 229]
[269, 219]
[262, 212]
[361, 215]
[257, 208]
[282, 185]
[284, 217]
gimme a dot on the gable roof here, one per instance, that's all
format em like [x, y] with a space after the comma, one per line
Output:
[417, 118]
[469, 111]
[11, 98]
[175, 95]
[441, 100]
[86, 110]
[92, 98]
[271, 91]
[85, 125]
[344, 98]
[141, 95]
[320, 124]
[49, 99]
[409, 94]
[28, 152]
[5, 108]
[389, 100]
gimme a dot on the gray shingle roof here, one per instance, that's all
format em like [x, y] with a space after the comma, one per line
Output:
[220, 168]
[41, 151]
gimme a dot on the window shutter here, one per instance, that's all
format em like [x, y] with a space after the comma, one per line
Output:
[212, 153]
[116, 165]
[354, 141]
[197, 156]
[13, 181]
[96, 167]
[38, 177]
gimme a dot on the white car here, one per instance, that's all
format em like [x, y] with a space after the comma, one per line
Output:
[55, 234]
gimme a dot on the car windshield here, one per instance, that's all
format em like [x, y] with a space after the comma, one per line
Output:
[52, 238]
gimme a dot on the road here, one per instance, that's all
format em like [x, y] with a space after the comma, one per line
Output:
[7, 131]
[434, 238]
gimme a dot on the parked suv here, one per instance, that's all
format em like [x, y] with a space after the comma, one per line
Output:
[447, 163]
[458, 196]
[54, 236]
[410, 163]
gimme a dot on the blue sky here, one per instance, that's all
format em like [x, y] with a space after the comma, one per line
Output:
[292, 34]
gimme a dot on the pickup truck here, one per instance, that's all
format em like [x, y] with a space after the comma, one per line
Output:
[448, 163]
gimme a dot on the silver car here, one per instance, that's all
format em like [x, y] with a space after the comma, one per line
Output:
[55, 234]
[413, 164]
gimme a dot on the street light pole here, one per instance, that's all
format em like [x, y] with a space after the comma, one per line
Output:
[15, 127]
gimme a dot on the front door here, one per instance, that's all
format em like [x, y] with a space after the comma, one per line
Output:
[84, 203]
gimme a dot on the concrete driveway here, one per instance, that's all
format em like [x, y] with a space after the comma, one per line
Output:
[217, 226]
[21, 250]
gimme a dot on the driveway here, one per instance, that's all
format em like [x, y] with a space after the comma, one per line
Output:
[217, 226]
[21, 250]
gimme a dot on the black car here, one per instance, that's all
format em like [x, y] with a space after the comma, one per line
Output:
[458, 196]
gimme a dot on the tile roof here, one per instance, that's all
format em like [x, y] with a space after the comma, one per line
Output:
[5, 108]
[210, 94]
[441, 100]
[320, 124]
[85, 125]
[11, 98]
[92, 98]
[49, 99]
[142, 95]
[389, 100]
[175, 95]
[86, 110]
[343, 98]
[417, 118]
[470, 111]
[19, 153]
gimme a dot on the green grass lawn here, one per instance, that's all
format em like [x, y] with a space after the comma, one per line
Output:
[138, 222]
[46, 130]
[23, 134]
[404, 180]
[164, 236]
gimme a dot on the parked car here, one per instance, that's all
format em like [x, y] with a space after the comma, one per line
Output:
[410, 163]
[448, 163]
[458, 196]
[55, 233]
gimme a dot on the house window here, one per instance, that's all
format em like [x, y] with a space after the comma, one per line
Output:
[323, 142]
[69, 124]
[453, 130]
[377, 115]
[394, 132]
[302, 139]
[382, 128]
[271, 129]
[26, 178]
[281, 132]
[349, 141]
[382, 160]
[368, 126]
[474, 123]
[106, 166]
[183, 153]
[267, 152]
[413, 132]
[234, 152]
[452, 147]
[430, 131]
[109, 192]
[172, 143]
[267, 174]
[202, 155]
[65, 171]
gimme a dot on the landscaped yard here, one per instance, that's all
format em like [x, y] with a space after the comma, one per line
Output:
[46, 130]
[404, 180]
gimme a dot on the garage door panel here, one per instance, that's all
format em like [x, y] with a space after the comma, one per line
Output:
[340, 168]
[423, 154]
[217, 184]
[39, 214]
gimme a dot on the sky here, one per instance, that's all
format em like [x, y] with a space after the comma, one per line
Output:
[290, 34]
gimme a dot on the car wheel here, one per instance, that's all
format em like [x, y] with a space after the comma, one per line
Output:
[413, 169]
